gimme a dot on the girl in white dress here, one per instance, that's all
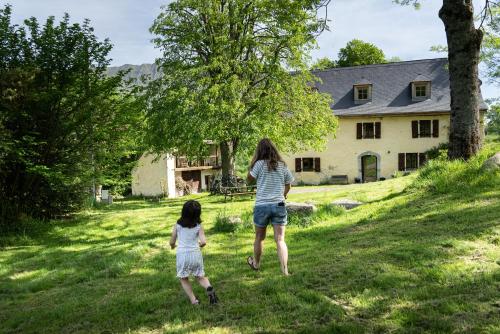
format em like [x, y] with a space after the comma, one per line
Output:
[191, 236]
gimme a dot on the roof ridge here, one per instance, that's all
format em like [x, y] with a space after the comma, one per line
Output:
[397, 63]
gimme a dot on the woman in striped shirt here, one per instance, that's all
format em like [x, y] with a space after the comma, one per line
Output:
[273, 180]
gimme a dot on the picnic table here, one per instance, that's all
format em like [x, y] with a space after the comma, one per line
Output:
[231, 186]
[238, 191]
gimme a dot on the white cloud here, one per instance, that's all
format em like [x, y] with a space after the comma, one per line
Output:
[398, 30]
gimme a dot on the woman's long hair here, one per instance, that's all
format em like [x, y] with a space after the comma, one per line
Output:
[268, 152]
[190, 216]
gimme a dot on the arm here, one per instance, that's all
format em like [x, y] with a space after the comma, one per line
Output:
[288, 182]
[287, 189]
[253, 172]
[250, 178]
[201, 236]
[173, 238]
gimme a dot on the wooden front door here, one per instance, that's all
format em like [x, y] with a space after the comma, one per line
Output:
[369, 168]
[193, 177]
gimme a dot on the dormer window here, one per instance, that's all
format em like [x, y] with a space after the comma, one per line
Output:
[362, 92]
[421, 88]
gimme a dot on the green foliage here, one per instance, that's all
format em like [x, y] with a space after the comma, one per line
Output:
[323, 64]
[393, 60]
[493, 119]
[490, 49]
[62, 121]
[440, 176]
[357, 52]
[404, 262]
[226, 77]
[438, 152]
[223, 223]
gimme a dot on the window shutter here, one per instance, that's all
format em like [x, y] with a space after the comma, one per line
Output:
[377, 129]
[414, 129]
[298, 164]
[422, 159]
[435, 128]
[317, 164]
[359, 130]
[401, 161]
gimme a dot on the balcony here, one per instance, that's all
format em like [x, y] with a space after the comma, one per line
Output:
[211, 162]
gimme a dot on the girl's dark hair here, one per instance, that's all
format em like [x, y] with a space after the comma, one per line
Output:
[190, 216]
[267, 151]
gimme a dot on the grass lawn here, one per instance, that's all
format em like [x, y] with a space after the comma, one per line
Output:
[422, 255]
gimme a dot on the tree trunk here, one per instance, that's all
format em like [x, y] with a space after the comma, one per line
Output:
[464, 43]
[228, 153]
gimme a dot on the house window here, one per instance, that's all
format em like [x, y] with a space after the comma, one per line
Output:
[369, 130]
[362, 94]
[420, 90]
[307, 164]
[425, 128]
[411, 161]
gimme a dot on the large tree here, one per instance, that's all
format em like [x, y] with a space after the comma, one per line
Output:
[62, 121]
[355, 53]
[464, 42]
[235, 71]
[358, 52]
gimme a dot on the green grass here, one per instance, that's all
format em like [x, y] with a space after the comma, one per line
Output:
[422, 255]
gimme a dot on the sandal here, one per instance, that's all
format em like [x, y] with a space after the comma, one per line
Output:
[212, 297]
[251, 263]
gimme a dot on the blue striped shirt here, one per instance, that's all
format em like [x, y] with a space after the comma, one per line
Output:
[270, 183]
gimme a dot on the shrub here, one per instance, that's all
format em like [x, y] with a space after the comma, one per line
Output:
[438, 152]
[457, 176]
[301, 219]
[224, 224]
[182, 187]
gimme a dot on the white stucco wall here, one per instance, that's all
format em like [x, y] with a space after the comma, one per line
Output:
[151, 178]
[341, 156]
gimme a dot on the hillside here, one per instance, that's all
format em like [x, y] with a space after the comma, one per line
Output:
[421, 256]
[136, 71]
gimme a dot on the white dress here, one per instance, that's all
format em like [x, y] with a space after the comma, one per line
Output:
[189, 258]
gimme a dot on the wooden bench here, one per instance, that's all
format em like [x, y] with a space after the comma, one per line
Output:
[339, 179]
[238, 191]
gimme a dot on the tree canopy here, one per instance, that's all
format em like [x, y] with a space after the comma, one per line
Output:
[62, 120]
[235, 71]
[358, 52]
[355, 53]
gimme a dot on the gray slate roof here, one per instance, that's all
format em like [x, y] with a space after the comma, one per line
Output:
[391, 89]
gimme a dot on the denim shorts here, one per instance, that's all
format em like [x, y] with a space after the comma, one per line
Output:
[273, 213]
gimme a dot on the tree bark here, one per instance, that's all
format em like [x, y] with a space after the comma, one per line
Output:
[464, 43]
[228, 153]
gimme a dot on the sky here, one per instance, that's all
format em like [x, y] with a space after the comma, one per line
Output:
[400, 31]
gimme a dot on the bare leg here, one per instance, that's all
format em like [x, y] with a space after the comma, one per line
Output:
[188, 289]
[204, 282]
[260, 235]
[279, 237]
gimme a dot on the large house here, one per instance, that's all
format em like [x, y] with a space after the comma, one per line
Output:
[169, 175]
[389, 116]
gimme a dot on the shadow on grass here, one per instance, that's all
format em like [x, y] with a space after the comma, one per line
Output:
[395, 269]
[399, 270]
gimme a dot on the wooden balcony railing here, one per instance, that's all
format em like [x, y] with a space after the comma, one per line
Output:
[183, 162]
